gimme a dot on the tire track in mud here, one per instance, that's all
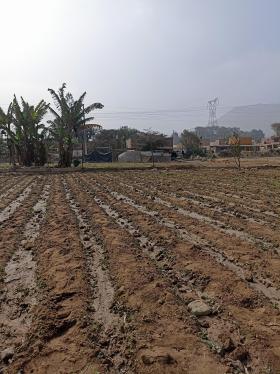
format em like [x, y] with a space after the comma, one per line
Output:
[19, 294]
[59, 339]
[157, 312]
[258, 283]
[222, 322]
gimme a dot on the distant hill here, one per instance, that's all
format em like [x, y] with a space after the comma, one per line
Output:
[259, 116]
[223, 132]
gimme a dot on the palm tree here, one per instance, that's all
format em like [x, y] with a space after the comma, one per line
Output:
[69, 117]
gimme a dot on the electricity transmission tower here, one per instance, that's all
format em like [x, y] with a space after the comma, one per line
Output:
[212, 106]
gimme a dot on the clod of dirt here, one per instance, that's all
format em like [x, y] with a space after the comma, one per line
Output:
[240, 354]
[7, 355]
[148, 360]
[166, 359]
[227, 343]
[199, 308]
[248, 277]
[27, 245]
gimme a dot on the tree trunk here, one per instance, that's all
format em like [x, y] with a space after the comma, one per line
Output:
[65, 155]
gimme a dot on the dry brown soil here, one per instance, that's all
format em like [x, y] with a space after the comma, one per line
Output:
[99, 270]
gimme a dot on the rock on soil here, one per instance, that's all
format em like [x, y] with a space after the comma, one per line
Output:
[199, 308]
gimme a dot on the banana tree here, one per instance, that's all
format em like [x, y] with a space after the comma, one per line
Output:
[24, 129]
[6, 120]
[69, 117]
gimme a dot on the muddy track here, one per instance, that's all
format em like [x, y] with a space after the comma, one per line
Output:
[221, 323]
[264, 268]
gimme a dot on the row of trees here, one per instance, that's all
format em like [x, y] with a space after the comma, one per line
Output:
[27, 136]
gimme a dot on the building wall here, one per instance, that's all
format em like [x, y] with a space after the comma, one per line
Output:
[243, 140]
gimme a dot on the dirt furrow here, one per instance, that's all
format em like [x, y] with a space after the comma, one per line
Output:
[262, 264]
[249, 233]
[261, 284]
[151, 300]
[170, 272]
[18, 295]
[59, 340]
[111, 328]
[8, 184]
[221, 324]
[11, 228]
[99, 277]
[241, 203]
[15, 192]
[216, 206]
[257, 230]
[13, 206]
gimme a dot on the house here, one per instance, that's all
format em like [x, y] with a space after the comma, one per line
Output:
[270, 144]
[242, 140]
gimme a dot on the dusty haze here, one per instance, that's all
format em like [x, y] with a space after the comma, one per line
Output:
[153, 63]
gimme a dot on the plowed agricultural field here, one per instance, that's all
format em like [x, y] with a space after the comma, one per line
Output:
[140, 272]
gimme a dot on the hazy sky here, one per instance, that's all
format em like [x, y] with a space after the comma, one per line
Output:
[152, 63]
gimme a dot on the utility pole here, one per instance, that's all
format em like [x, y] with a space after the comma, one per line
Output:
[212, 106]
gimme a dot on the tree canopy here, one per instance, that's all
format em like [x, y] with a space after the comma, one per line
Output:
[114, 138]
[69, 116]
[22, 124]
[189, 140]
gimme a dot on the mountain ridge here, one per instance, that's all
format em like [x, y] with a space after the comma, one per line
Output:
[254, 116]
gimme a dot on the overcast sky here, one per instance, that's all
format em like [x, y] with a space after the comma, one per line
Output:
[152, 63]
